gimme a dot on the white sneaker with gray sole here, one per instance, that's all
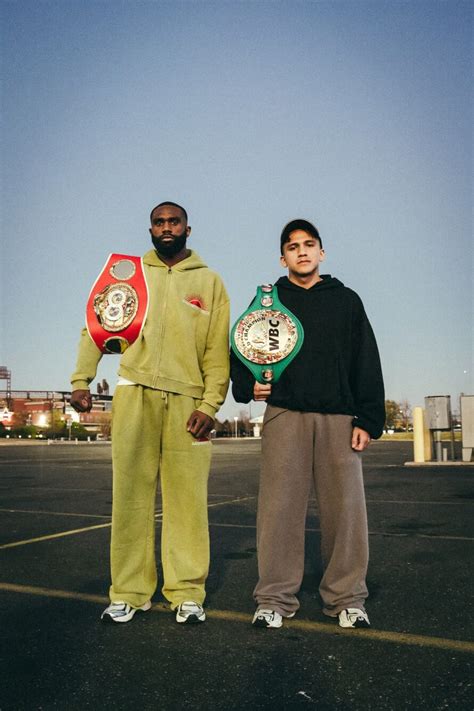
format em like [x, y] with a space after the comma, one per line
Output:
[189, 613]
[269, 618]
[353, 617]
[119, 611]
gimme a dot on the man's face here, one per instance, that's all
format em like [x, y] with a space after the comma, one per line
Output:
[302, 254]
[169, 230]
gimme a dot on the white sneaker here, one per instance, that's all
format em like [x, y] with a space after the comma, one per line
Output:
[269, 618]
[353, 617]
[190, 612]
[119, 611]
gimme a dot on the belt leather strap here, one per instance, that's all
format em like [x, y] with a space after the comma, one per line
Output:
[117, 304]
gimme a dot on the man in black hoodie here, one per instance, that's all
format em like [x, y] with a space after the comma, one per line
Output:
[320, 415]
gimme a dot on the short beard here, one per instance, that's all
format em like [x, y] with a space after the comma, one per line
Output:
[170, 249]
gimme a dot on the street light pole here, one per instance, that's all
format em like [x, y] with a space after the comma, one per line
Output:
[236, 420]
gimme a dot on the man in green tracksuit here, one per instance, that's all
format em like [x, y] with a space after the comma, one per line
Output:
[172, 381]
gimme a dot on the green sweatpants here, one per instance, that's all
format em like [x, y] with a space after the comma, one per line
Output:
[149, 440]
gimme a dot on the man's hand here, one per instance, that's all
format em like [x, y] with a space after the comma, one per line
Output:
[360, 439]
[199, 424]
[81, 400]
[261, 391]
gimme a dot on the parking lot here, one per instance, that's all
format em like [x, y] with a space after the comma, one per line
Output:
[55, 512]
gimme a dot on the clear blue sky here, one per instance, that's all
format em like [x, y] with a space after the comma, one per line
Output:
[354, 115]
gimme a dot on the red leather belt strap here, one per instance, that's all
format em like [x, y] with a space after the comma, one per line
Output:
[117, 304]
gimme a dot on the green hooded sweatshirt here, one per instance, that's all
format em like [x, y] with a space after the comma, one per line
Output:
[183, 347]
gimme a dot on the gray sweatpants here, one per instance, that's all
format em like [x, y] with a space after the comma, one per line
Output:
[299, 448]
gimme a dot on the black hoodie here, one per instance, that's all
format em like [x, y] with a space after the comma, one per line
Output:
[337, 370]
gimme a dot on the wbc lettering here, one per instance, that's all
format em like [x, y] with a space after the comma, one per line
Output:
[264, 336]
[274, 335]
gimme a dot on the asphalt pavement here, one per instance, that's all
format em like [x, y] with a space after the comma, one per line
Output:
[55, 512]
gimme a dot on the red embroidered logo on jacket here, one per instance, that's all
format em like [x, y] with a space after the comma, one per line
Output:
[195, 301]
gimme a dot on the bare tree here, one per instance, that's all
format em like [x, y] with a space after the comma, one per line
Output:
[405, 412]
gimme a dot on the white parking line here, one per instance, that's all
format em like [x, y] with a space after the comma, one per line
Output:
[75, 531]
[417, 503]
[54, 513]
[57, 488]
[159, 514]
[371, 533]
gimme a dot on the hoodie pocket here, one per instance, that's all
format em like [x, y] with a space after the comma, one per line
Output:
[325, 387]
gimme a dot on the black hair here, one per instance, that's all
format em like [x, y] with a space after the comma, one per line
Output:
[299, 224]
[168, 202]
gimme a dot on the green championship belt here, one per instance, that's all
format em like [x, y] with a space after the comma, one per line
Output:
[267, 336]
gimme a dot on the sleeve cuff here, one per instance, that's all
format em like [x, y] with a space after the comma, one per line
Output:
[79, 385]
[374, 431]
[207, 409]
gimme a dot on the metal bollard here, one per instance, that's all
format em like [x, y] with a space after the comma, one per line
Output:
[418, 435]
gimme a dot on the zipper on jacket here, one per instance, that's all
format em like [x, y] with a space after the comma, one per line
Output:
[162, 325]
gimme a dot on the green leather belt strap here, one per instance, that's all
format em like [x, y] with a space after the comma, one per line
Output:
[267, 336]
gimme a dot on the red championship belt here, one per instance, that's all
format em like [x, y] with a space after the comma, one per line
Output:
[117, 304]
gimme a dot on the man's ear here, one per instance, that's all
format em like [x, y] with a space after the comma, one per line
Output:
[149, 230]
[322, 255]
[283, 261]
[188, 231]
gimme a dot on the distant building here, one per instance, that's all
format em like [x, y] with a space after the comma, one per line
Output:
[43, 409]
